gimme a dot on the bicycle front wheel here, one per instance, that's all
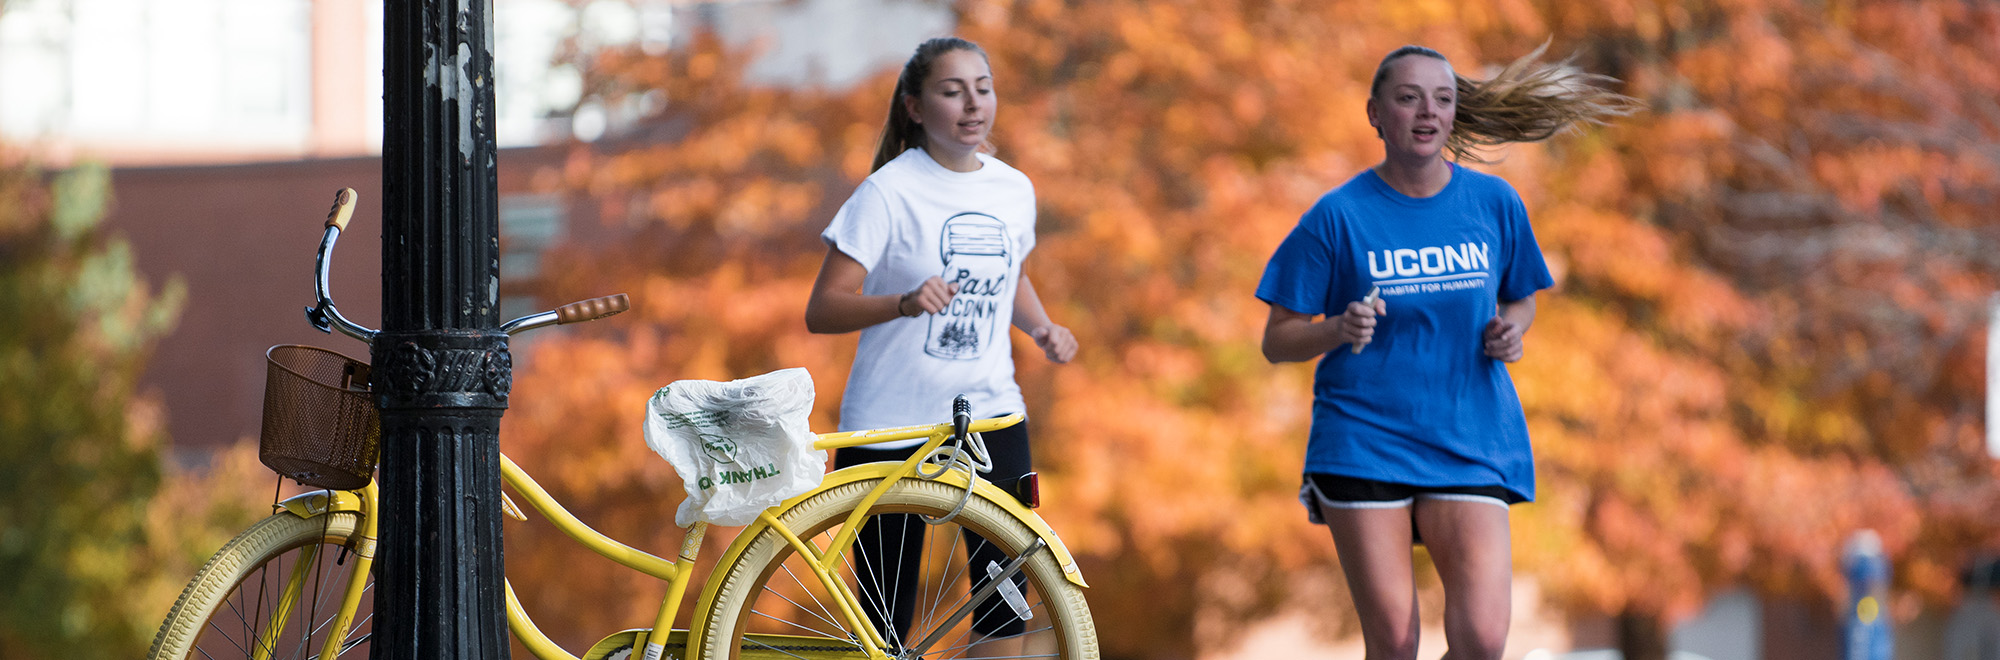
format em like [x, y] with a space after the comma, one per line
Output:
[916, 587]
[270, 593]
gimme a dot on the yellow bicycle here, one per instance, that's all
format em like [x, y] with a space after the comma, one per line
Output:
[297, 584]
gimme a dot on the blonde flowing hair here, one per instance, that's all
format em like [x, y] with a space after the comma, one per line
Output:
[1527, 101]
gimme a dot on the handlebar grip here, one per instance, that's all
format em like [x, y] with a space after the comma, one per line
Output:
[592, 309]
[343, 208]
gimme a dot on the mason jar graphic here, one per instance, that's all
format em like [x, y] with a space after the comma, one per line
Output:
[977, 257]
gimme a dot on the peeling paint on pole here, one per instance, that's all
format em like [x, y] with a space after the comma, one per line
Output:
[1993, 376]
[460, 69]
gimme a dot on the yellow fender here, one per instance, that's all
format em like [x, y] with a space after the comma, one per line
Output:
[317, 503]
[313, 504]
[872, 471]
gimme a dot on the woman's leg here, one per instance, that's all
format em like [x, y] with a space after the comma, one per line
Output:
[887, 550]
[1469, 542]
[997, 629]
[1374, 547]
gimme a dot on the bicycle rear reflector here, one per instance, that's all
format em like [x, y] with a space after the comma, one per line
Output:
[1027, 489]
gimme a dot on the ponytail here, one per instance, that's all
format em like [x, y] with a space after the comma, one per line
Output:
[1526, 101]
[900, 133]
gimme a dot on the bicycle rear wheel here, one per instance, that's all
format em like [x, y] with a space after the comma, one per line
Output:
[270, 593]
[771, 605]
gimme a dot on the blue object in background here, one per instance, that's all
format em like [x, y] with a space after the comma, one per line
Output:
[1865, 632]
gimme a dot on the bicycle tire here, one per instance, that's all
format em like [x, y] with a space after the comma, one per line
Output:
[218, 614]
[747, 597]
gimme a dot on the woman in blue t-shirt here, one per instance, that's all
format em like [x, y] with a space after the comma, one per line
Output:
[1413, 283]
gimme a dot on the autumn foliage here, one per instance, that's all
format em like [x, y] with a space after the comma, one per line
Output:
[1766, 332]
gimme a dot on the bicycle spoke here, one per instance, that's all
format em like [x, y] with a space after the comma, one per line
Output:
[988, 637]
[226, 638]
[246, 621]
[962, 573]
[970, 552]
[318, 598]
[903, 525]
[961, 637]
[329, 621]
[852, 570]
[365, 619]
[821, 613]
[256, 639]
[953, 576]
[358, 625]
[869, 580]
[314, 596]
[802, 608]
[930, 615]
[347, 646]
[747, 640]
[253, 637]
[958, 650]
[874, 594]
[793, 624]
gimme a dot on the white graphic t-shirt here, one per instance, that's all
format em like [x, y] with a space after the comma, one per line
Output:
[913, 220]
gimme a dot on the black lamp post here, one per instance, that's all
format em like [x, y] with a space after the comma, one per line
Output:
[441, 364]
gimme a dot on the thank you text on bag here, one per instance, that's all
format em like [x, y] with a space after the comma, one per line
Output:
[740, 447]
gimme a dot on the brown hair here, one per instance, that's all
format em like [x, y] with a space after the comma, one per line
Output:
[1526, 101]
[900, 133]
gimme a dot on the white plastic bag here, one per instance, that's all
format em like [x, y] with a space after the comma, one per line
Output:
[740, 447]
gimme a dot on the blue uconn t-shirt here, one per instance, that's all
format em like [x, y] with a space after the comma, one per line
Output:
[1422, 404]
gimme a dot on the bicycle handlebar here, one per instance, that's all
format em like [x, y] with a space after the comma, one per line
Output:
[593, 309]
[343, 208]
[327, 317]
[323, 314]
[576, 312]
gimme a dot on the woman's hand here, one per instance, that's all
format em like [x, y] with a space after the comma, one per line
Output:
[838, 306]
[1056, 342]
[1291, 336]
[931, 297]
[1503, 339]
[1357, 325]
[1504, 331]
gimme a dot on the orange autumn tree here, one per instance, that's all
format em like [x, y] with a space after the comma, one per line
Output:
[1764, 336]
[1798, 159]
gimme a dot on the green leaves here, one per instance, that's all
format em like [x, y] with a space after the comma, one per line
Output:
[77, 466]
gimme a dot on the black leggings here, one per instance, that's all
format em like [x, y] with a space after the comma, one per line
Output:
[1008, 448]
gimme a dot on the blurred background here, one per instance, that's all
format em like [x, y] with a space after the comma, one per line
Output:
[1770, 329]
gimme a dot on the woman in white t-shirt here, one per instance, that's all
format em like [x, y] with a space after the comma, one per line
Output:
[925, 260]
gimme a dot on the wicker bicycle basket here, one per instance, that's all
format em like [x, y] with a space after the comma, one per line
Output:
[320, 424]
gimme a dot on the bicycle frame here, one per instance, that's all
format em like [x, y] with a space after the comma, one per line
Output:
[675, 572]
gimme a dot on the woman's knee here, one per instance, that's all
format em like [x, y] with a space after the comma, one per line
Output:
[1476, 635]
[1389, 626]
[1392, 644]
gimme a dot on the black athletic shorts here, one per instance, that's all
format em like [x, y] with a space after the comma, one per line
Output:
[1353, 493]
